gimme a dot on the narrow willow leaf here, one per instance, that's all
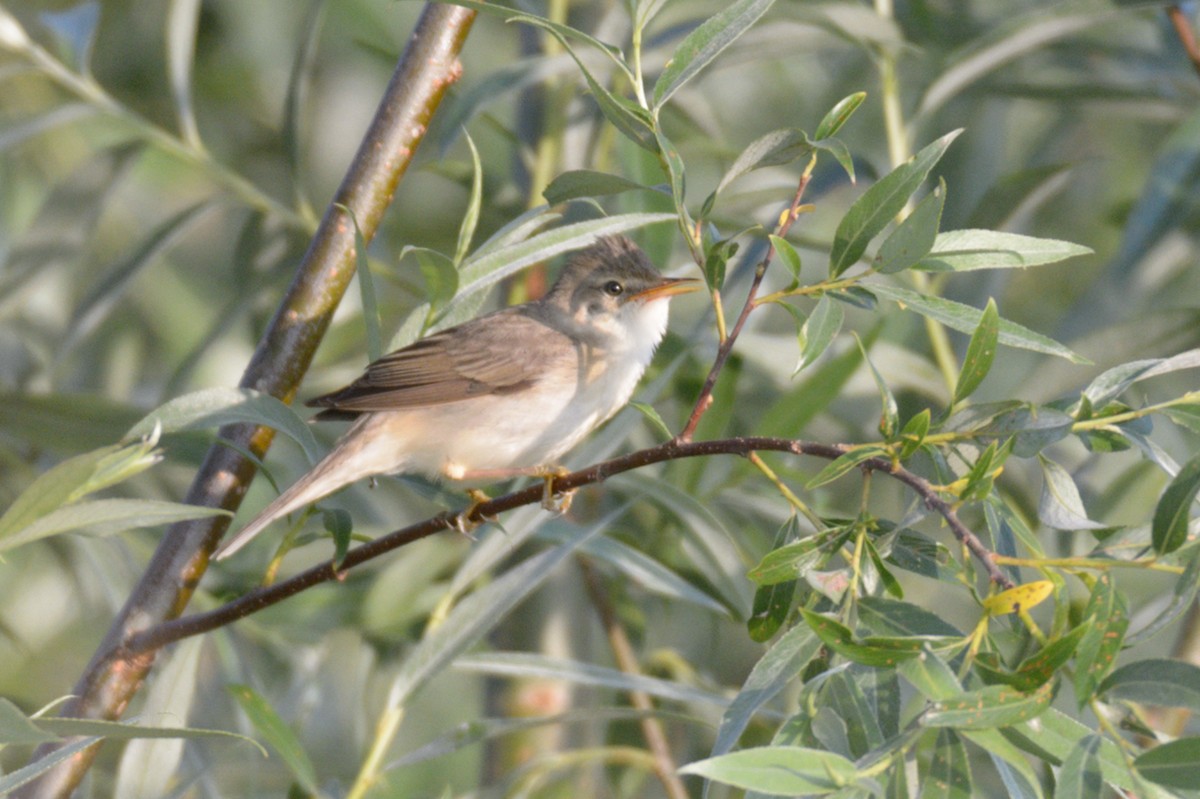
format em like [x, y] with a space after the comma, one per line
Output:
[489, 265]
[914, 237]
[277, 734]
[819, 330]
[644, 571]
[880, 204]
[705, 43]
[966, 250]
[588, 183]
[1173, 513]
[214, 407]
[879, 651]
[892, 617]
[991, 707]
[104, 517]
[913, 433]
[1022, 597]
[439, 274]
[964, 318]
[949, 774]
[183, 19]
[1182, 597]
[771, 674]
[366, 288]
[1166, 683]
[782, 770]
[787, 253]
[466, 230]
[843, 464]
[676, 175]
[931, 676]
[653, 417]
[525, 666]
[837, 116]
[776, 148]
[786, 562]
[1173, 764]
[1080, 776]
[1060, 505]
[17, 728]
[981, 352]
[773, 602]
[889, 415]
[1107, 620]
[629, 118]
[15, 779]
[1040, 667]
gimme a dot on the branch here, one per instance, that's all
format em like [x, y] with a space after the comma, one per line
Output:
[704, 399]
[428, 66]
[1187, 37]
[140, 643]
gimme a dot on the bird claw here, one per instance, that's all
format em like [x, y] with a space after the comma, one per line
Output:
[559, 502]
[463, 521]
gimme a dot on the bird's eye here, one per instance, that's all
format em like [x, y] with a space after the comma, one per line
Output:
[613, 288]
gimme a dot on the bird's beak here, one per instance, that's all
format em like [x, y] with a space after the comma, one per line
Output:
[669, 287]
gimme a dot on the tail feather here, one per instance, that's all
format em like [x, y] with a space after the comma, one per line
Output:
[337, 469]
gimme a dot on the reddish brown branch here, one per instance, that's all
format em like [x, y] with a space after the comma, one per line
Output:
[1187, 36]
[170, 631]
[704, 399]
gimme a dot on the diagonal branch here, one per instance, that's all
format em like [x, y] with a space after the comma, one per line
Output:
[140, 643]
[429, 65]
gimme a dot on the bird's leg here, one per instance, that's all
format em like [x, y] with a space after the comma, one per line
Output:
[555, 503]
[463, 521]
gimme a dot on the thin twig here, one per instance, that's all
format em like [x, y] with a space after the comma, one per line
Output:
[1187, 36]
[656, 739]
[704, 399]
[171, 631]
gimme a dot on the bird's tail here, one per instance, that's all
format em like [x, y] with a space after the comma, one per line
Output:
[337, 469]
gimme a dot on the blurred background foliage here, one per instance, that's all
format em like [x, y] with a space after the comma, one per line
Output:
[161, 169]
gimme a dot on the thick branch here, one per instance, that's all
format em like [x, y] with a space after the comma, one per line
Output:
[168, 632]
[429, 65]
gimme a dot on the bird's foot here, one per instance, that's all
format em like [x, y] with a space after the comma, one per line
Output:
[463, 521]
[559, 502]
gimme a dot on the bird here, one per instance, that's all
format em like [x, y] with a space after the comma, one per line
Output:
[504, 395]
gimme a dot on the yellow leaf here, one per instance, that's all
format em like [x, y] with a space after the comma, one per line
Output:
[1023, 597]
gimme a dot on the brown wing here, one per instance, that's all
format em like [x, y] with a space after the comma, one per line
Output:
[470, 360]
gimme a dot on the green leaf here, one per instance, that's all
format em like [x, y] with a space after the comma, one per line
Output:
[931, 676]
[878, 651]
[967, 250]
[770, 675]
[439, 273]
[1080, 776]
[914, 432]
[1167, 683]
[13, 780]
[819, 330]
[499, 258]
[787, 253]
[705, 43]
[1037, 669]
[784, 770]
[773, 602]
[845, 463]
[71, 480]
[1173, 513]
[949, 774]
[981, 352]
[277, 734]
[104, 517]
[964, 318]
[776, 148]
[1182, 597]
[183, 19]
[1060, 505]
[1107, 619]
[889, 415]
[993, 706]
[588, 183]
[1173, 764]
[892, 617]
[914, 237]
[652, 416]
[466, 230]
[17, 728]
[880, 204]
[215, 407]
[839, 115]
[366, 288]
[786, 562]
